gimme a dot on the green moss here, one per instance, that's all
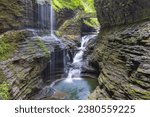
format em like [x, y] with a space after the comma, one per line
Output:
[4, 91]
[143, 94]
[137, 93]
[4, 87]
[58, 33]
[2, 76]
[75, 21]
[137, 81]
[84, 9]
[43, 47]
[6, 50]
[9, 42]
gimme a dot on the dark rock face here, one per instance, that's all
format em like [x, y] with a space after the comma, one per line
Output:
[24, 13]
[118, 12]
[10, 15]
[64, 15]
[73, 25]
[22, 70]
[123, 53]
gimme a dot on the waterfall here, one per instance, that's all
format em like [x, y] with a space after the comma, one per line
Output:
[28, 13]
[75, 70]
[43, 15]
[40, 18]
[52, 20]
[51, 17]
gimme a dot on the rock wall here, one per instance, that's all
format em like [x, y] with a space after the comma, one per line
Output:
[24, 13]
[10, 15]
[21, 70]
[22, 58]
[71, 23]
[123, 51]
[119, 12]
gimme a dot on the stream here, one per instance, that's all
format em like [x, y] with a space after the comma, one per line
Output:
[63, 76]
[66, 81]
[74, 86]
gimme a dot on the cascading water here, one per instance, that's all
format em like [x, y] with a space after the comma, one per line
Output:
[70, 86]
[40, 17]
[75, 71]
[44, 14]
[74, 86]
[52, 18]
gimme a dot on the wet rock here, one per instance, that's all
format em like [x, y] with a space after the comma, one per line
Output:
[58, 95]
[46, 92]
[124, 63]
[23, 69]
[122, 52]
[71, 29]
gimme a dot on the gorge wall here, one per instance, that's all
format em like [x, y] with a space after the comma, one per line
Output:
[22, 58]
[11, 14]
[123, 49]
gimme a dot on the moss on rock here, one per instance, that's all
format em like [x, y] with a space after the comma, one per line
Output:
[4, 87]
[42, 45]
[9, 43]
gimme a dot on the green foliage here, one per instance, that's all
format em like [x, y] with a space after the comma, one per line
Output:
[9, 42]
[5, 50]
[4, 91]
[92, 22]
[86, 5]
[4, 87]
[58, 33]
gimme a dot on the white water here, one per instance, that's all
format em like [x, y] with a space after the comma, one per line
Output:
[75, 72]
[43, 15]
[46, 20]
[52, 20]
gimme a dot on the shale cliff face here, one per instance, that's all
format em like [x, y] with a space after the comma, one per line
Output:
[119, 12]
[11, 14]
[123, 50]
[22, 58]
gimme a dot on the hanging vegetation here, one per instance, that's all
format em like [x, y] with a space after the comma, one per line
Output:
[86, 5]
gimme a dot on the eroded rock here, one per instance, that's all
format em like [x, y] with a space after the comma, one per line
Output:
[123, 51]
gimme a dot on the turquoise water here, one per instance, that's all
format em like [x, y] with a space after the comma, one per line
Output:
[77, 89]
